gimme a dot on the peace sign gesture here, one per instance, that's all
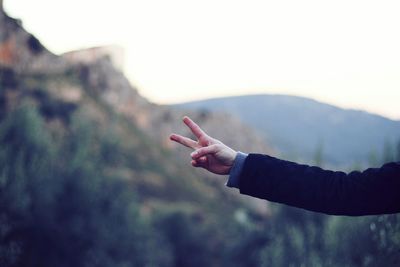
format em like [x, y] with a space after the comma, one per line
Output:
[209, 153]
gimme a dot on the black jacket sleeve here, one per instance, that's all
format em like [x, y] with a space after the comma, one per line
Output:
[374, 191]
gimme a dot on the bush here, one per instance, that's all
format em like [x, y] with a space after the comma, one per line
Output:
[57, 206]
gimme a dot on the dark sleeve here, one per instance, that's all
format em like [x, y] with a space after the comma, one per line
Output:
[374, 191]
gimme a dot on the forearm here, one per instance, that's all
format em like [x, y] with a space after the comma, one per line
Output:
[374, 191]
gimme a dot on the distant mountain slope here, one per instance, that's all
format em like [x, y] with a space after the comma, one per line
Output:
[301, 128]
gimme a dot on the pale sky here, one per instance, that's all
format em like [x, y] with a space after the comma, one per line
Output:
[342, 52]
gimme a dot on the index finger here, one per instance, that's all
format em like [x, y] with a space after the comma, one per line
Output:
[196, 130]
[184, 141]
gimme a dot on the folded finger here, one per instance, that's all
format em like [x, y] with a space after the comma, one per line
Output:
[204, 151]
[196, 163]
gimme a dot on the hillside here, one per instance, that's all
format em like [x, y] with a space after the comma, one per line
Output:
[84, 157]
[88, 81]
[88, 177]
[299, 128]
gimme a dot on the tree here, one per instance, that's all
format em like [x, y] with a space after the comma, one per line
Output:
[57, 207]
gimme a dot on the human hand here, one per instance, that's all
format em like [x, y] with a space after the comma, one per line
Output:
[209, 153]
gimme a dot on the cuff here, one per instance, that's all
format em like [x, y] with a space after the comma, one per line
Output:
[234, 175]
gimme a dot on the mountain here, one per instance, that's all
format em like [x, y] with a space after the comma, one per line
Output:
[88, 176]
[303, 129]
[89, 82]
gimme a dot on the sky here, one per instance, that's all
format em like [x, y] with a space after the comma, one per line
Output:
[346, 53]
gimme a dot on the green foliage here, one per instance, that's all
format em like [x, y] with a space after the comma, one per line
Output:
[64, 201]
[365, 241]
[58, 208]
[295, 237]
[188, 238]
[51, 108]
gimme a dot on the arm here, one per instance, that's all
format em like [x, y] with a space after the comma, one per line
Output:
[374, 191]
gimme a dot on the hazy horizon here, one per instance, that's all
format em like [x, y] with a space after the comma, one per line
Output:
[277, 94]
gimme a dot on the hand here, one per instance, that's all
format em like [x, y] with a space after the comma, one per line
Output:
[209, 153]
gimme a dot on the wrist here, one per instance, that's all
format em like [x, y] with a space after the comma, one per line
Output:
[235, 171]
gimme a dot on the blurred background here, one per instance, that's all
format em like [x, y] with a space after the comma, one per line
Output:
[90, 91]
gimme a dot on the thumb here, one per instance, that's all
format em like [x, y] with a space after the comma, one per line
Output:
[204, 151]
